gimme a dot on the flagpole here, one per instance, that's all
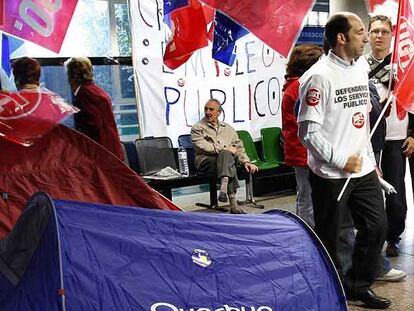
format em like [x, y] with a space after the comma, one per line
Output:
[390, 99]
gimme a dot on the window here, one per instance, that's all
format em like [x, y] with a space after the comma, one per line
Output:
[99, 30]
[313, 18]
[316, 18]
[312, 32]
[323, 18]
[319, 14]
[123, 37]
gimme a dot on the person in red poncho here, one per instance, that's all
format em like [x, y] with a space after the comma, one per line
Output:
[95, 118]
[301, 59]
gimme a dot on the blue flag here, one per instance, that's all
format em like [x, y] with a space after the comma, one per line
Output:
[5, 54]
[226, 33]
[172, 5]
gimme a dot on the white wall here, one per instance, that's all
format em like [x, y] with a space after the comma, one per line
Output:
[355, 6]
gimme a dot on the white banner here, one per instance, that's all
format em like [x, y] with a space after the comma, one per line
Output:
[170, 102]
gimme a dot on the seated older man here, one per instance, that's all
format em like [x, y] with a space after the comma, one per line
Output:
[218, 151]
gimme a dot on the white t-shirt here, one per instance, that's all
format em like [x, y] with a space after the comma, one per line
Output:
[396, 128]
[335, 95]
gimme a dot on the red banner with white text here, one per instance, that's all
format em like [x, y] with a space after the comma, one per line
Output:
[29, 114]
[403, 56]
[42, 22]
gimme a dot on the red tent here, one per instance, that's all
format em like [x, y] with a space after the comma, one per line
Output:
[68, 165]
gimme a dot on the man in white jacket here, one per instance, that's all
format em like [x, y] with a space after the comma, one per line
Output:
[334, 126]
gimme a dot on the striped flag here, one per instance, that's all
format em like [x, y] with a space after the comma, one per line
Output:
[226, 33]
[276, 22]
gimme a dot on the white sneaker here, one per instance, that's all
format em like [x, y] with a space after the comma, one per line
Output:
[393, 275]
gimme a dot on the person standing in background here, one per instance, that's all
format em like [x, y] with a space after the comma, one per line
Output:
[26, 72]
[398, 145]
[95, 118]
[300, 60]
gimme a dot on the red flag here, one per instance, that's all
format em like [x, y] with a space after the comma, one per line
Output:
[42, 22]
[189, 34]
[276, 22]
[27, 115]
[404, 92]
[208, 14]
[403, 54]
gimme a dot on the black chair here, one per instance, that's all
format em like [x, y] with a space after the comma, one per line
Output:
[156, 153]
[131, 158]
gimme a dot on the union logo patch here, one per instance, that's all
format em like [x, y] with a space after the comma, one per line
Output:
[313, 97]
[358, 120]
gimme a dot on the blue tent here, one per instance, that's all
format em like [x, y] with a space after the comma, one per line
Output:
[67, 255]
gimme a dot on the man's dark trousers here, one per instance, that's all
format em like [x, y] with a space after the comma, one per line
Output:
[224, 164]
[393, 167]
[363, 197]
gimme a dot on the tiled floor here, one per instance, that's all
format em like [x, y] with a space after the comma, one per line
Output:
[401, 293]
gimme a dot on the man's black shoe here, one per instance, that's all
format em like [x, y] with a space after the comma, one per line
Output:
[392, 250]
[370, 300]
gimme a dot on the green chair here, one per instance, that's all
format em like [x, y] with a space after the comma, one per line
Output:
[271, 147]
[251, 151]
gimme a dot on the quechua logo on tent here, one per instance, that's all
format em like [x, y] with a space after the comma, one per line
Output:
[164, 306]
[201, 257]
